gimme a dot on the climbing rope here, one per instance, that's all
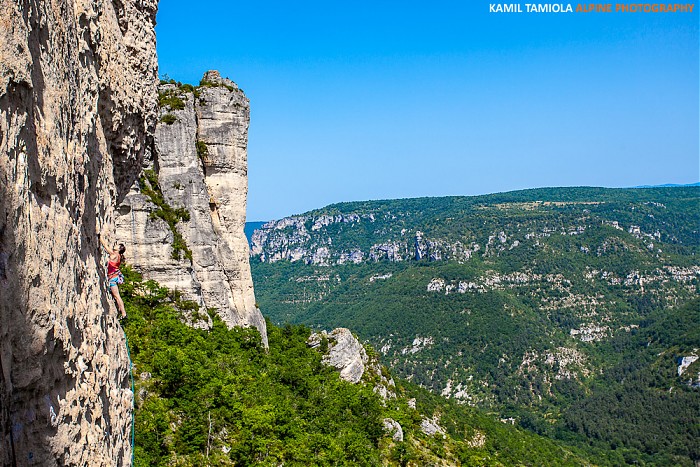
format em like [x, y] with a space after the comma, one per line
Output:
[133, 397]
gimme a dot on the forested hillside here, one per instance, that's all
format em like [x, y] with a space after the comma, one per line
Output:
[572, 312]
[217, 397]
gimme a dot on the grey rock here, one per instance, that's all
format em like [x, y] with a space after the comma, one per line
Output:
[309, 238]
[685, 362]
[354, 256]
[281, 240]
[393, 428]
[391, 251]
[419, 246]
[692, 378]
[77, 112]
[320, 257]
[213, 190]
[214, 77]
[385, 386]
[431, 427]
[344, 353]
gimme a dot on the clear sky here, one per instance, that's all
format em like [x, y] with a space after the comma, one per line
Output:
[384, 99]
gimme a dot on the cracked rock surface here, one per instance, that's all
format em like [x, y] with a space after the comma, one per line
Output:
[77, 112]
[211, 184]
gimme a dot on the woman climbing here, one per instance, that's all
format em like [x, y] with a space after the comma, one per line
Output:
[114, 275]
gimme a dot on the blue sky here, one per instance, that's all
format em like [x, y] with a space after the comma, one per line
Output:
[383, 99]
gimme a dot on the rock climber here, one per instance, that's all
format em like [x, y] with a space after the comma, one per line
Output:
[114, 275]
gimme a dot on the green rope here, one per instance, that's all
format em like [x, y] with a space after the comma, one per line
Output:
[133, 397]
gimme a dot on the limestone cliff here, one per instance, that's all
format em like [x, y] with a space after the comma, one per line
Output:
[199, 165]
[313, 239]
[77, 111]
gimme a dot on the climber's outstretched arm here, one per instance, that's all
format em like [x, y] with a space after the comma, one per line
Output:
[104, 244]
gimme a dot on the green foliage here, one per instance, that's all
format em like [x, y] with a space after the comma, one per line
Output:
[669, 210]
[189, 88]
[280, 406]
[323, 347]
[202, 151]
[168, 119]
[639, 405]
[217, 397]
[149, 187]
[171, 99]
[211, 84]
[506, 343]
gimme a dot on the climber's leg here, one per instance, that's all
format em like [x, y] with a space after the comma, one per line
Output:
[118, 299]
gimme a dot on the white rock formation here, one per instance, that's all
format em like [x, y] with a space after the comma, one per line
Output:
[310, 238]
[77, 111]
[393, 428]
[344, 353]
[380, 277]
[685, 362]
[436, 285]
[431, 427]
[417, 345]
[478, 440]
[212, 186]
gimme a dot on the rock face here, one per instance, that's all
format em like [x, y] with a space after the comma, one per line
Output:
[313, 239]
[200, 162]
[393, 428]
[431, 427]
[77, 113]
[685, 362]
[344, 353]
[687, 366]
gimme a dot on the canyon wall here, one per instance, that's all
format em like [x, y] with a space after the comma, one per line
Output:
[198, 175]
[77, 112]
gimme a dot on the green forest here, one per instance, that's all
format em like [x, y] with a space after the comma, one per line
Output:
[570, 317]
[217, 397]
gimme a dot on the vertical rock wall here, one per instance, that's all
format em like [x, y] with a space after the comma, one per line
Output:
[212, 185]
[77, 111]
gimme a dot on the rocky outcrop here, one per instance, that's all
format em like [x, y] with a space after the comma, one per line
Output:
[685, 362]
[342, 351]
[689, 369]
[314, 239]
[199, 165]
[77, 111]
[393, 428]
[432, 427]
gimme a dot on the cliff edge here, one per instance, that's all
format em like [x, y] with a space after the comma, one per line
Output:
[77, 112]
[183, 219]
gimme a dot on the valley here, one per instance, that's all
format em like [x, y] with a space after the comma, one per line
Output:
[528, 304]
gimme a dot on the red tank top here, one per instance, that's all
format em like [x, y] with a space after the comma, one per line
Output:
[113, 268]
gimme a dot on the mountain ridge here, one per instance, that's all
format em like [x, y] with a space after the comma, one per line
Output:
[379, 200]
[513, 302]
